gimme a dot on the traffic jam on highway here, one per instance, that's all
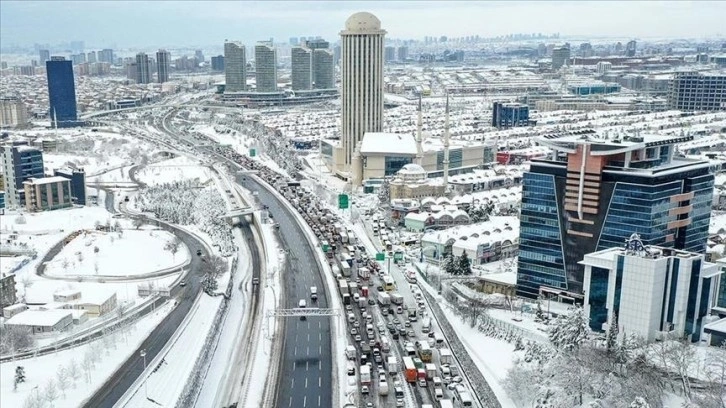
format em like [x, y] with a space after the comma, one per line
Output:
[395, 346]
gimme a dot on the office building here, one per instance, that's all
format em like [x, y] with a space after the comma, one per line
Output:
[560, 57]
[61, 92]
[698, 91]
[47, 193]
[218, 63]
[362, 80]
[44, 56]
[77, 178]
[265, 67]
[106, 55]
[390, 54]
[199, 55]
[316, 44]
[586, 50]
[506, 115]
[652, 291]
[91, 57]
[143, 69]
[163, 59]
[402, 53]
[13, 112]
[20, 162]
[78, 58]
[630, 48]
[235, 67]
[27, 70]
[337, 53]
[604, 67]
[591, 193]
[8, 295]
[302, 60]
[323, 69]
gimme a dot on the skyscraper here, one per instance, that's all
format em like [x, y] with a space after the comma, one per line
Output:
[218, 63]
[630, 48]
[362, 80]
[162, 63]
[199, 55]
[61, 92]
[266, 67]
[20, 162]
[323, 72]
[302, 63]
[560, 57]
[91, 56]
[390, 54]
[106, 55]
[44, 56]
[402, 53]
[235, 67]
[592, 193]
[143, 71]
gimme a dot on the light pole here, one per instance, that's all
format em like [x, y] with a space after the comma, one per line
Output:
[146, 388]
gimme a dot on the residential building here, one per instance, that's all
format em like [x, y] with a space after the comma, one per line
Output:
[78, 183]
[302, 60]
[651, 291]
[390, 54]
[96, 303]
[235, 67]
[266, 67]
[13, 309]
[402, 54]
[91, 57]
[44, 56]
[199, 55]
[143, 69]
[163, 59]
[42, 321]
[603, 67]
[13, 112]
[698, 91]
[323, 69]
[506, 115]
[20, 162]
[218, 63]
[362, 81]
[560, 57]
[7, 290]
[61, 92]
[47, 193]
[106, 55]
[592, 193]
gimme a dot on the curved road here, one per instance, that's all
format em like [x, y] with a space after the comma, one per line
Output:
[307, 366]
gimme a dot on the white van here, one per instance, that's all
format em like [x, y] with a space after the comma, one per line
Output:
[438, 394]
[302, 305]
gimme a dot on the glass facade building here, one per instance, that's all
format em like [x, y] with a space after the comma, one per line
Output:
[61, 92]
[591, 195]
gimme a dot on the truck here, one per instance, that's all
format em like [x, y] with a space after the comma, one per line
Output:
[365, 375]
[364, 291]
[343, 287]
[345, 269]
[412, 314]
[445, 356]
[383, 386]
[424, 352]
[426, 325]
[445, 403]
[314, 293]
[384, 299]
[364, 273]
[350, 352]
[409, 369]
[353, 287]
[396, 298]
[346, 299]
[421, 377]
[392, 365]
[362, 301]
[385, 344]
[431, 371]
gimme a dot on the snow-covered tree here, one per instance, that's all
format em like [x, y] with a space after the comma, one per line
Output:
[19, 376]
[74, 372]
[209, 284]
[15, 338]
[612, 335]
[448, 264]
[63, 379]
[138, 222]
[464, 265]
[639, 402]
[50, 391]
[569, 331]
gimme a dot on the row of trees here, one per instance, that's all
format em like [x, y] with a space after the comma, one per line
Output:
[456, 265]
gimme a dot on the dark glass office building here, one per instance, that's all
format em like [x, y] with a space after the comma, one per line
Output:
[61, 92]
[506, 115]
[78, 183]
[591, 194]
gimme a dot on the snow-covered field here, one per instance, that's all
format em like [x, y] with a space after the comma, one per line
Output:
[175, 169]
[131, 253]
[93, 363]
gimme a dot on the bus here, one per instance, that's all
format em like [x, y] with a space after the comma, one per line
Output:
[462, 398]
[388, 284]
[409, 369]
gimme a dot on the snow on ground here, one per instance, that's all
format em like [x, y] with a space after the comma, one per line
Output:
[116, 174]
[175, 169]
[134, 252]
[111, 353]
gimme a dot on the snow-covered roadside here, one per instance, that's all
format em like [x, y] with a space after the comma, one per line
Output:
[110, 351]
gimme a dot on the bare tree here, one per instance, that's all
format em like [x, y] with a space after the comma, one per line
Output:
[34, 400]
[714, 394]
[51, 392]
[214, 266]
[74, 372]
[117, 226]
[173, 246]
[138, 222]
[63, 379]
[87, 365]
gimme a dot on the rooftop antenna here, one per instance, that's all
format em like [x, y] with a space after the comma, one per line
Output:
[446, 144]
[419, 131]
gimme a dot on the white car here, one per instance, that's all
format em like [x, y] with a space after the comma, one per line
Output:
[364, 389]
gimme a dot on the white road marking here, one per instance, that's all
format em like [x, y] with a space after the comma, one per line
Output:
[320, 349]
[320, 325]
[308, 336]
[320, 381]
[320, 364]
[320, 336]
[292, 384]
[307, 364]
[308, 351]
[290, 404]
[294, 364]
[295, 351]
[305, 401]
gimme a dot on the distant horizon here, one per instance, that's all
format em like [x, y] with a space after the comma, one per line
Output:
[173, 24]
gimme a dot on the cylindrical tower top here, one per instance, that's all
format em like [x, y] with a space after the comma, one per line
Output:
[362, 23]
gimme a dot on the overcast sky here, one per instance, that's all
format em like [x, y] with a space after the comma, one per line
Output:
[171, 23]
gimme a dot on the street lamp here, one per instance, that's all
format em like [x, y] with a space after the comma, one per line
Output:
[146, 386]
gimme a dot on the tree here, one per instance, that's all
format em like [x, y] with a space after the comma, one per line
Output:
[138, 222]
[714, 394]
[464, 267]
[214, 266]
[639, 402]
[173, 246]
[449, 264]
[612, 335]
[569, 331]
[209, 284]
[63, 379]
[19, 376]
[74, 372]
[117, 226]
[15, 338]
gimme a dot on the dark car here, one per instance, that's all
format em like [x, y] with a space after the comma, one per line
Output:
[199, 252]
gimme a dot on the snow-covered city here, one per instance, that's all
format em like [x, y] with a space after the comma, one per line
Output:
[491, 211]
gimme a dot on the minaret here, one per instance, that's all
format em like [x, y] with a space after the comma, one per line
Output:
[419, 148]
[446, 145]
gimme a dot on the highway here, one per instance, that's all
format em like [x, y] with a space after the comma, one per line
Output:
[306, 372]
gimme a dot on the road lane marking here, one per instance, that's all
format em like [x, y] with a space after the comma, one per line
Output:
[320, 336]
[320, 325]
[308, 337]
[307, 353]
[320, 364]
[318, 400]
[306, 382]
[320, 349]
[307, 365]
[290, 404]
[294, 364]
[295, 351]
[292, 385]
[305, 401]
[320, 381]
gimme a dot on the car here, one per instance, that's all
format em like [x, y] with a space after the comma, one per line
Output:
[348, 308]
[356, 324]
[199, 252]
[396, 321]
[382, 373]
[451, 386]
[392, 330]
[372, 342]
[255, 281]
[431, 334]
[399, 403]
[422, 383]
[369, 405]
[407, 324]
[353, 331]
[395, 336]
[379, 288]
[364, 389]
[357, 337]
[371, 302]
[399, 310]
[411, 334]
[183, 283]
[457, 379]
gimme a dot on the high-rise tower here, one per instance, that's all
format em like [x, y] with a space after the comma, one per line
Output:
[302, 63]
[266, 67]
[162, 63]
[143, 71]
[235, 67]
[362, 80]
[61, 92]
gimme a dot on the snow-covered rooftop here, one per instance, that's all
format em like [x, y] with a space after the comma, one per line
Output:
[39, 317]
[388, 143]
